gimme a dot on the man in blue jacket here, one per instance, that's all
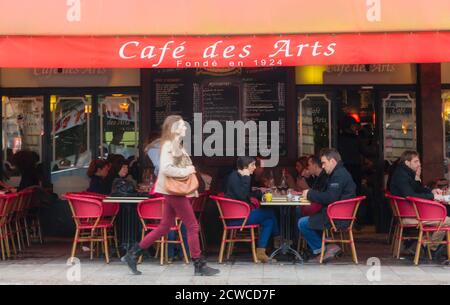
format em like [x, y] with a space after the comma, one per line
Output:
[339, 186]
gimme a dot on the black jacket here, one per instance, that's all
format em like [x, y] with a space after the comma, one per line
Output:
[239, 188]
[339, 186]
[404, 184]
[319, 183]
[98, 185]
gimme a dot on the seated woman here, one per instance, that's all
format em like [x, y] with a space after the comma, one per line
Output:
[97, 171]
[238, 187]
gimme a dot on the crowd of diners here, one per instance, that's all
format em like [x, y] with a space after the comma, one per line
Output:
[322, 179]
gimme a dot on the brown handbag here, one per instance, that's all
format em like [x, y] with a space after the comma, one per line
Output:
[181, 186]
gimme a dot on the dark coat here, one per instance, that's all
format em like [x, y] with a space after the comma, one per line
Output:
[319, 183]
[339, 186]
[239, 188]
[403, 183]
[98, 185]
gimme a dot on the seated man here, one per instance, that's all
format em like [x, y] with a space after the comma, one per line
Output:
[339, 186]
[406, 182]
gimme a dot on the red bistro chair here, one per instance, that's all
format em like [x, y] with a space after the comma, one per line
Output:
[230, 209]
[109, 214]
[87, 214]
[198, 205]
[403, 211]
[342, 210]
[150, 212]
[429, 211]
[7, 203]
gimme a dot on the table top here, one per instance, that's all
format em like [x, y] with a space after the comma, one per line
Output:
[124, 199]
[282, 201]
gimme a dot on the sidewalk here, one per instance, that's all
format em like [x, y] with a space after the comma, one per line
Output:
[46, 264]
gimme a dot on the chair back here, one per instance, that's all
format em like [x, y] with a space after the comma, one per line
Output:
[151, 209]
[231, 209]
[428, 210]
[402, 206]
[84, 208]
[344, 210]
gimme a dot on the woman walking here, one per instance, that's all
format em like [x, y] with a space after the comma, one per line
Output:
[174, 163]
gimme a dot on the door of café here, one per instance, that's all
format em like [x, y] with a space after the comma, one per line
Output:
[370, 125]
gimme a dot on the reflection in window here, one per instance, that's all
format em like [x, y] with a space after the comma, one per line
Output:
[70, 132]
[314, 123]
[399, 125]
[119, 127]
[22, 125]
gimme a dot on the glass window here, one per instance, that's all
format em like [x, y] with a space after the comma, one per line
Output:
[70, 142]
[119, 133]
[446, 117]
[314, 123]
[399, 124]
[22, 127]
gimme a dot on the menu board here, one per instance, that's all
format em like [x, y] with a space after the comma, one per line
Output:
[257, 94]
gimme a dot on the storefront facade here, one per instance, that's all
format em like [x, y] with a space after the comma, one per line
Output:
[79, 86]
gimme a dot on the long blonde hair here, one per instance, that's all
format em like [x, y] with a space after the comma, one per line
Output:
[167, 133]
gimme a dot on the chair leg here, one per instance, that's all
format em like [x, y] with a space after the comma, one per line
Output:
[230, 244]
[448, 245]
[255, 259]
[342, 243]
[400, 240]
[222, 246]
[430, 257]
[162, 248]
[74, 246]
[27, 231]
[116, 242]
[39, 230]
[183, 248]
[105, 243]
[19, 243]
[91, 246]
[13, 243]
[2, 244]
[355, 256]
[6, 238]
[395, 241]
[322, 252]
[418, 248]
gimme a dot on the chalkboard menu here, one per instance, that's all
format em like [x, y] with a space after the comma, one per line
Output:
[257, 94]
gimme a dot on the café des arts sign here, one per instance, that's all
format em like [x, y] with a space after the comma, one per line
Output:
[223, 51]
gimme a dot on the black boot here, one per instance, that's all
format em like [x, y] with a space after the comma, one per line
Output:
[202, 269]
[131, 258]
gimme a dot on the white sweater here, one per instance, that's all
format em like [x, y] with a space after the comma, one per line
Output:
[167, 168]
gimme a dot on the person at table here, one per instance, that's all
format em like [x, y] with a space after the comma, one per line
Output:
[339, 186]
[238, 187]
[97, 171]
[317, 181]
[123, 185]
[174, 162]
[152, 149]
[406, 182]
[298, 181]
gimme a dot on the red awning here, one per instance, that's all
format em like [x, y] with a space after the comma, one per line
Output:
[222, 51]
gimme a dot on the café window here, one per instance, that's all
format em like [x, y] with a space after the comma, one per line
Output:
[446, 121]
[22, 127]
[314, 123]
[399, 113]
[70, 142]
[119, 132]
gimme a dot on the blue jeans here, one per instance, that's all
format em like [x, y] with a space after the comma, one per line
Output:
[313, 239]
[173, 249]
[268, 222]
